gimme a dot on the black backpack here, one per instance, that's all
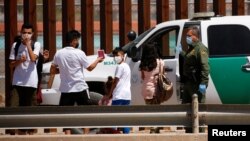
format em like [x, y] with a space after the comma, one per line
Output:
[39, 65]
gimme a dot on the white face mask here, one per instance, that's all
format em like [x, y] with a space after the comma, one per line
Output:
[26, 36]
[118, 59]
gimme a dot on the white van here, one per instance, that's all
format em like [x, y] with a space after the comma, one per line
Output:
[228, 41]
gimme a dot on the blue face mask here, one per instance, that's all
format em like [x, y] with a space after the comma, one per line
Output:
[189, 40]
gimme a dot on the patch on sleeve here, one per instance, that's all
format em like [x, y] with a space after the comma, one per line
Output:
[203, 53]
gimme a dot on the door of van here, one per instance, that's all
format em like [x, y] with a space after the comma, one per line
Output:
[164, 39]
[229, 50]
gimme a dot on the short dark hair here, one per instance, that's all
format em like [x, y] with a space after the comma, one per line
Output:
[117, 50]
[195, 31]
[71, 35]
[27, 26]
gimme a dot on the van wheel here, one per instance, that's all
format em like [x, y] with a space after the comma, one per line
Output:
[94, 98]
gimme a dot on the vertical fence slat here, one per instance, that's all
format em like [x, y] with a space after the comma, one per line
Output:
[143, 15]
[200, 6]
[49, 26]
[238, 7]
[162, 14]
[125, 20]
[181, 9]
[106, 25]
[10, 28]
[29, 9]
[219, 7]
[162, 10]
[87, 26]
[68, 18]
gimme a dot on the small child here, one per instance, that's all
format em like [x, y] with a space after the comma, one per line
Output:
[106, 100]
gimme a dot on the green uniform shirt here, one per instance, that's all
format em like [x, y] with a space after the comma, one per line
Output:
[196, 65]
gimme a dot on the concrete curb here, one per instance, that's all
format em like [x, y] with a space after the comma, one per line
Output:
[109, 137]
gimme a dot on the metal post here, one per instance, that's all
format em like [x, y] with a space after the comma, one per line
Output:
[195, 117]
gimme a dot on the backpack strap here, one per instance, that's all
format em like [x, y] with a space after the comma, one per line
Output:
[33, 45]
[18, 43]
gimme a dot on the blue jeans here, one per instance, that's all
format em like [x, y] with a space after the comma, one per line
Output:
[120, 102]
[125, 130]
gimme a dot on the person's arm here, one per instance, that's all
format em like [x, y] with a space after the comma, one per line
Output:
[14, 63]
[204, 70]
[94, 64]
[51, 80]
[12, 68]
[53, 71]
[204, 66]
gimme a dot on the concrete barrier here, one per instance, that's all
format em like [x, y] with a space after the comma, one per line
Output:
[109, 137]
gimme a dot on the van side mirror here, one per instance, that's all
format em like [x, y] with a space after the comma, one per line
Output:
[131, 35]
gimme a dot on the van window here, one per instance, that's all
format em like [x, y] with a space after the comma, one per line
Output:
[228, 40]
[165, 40]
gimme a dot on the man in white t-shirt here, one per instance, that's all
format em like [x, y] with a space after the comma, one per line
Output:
[23, 62]
[120, 90]
[70, 62]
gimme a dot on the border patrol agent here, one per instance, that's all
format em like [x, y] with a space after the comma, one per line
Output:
[195, 67]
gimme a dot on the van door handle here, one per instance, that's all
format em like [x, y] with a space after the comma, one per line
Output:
[168, 69]
[246, 67]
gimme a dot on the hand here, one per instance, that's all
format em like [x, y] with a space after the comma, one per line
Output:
[106, 97]
[100, 59]
[202, 88]
[26, 41]
[22, 58]
[179, 48]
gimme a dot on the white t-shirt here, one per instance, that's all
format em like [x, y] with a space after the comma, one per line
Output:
[25, 74]
[71, 62]
[122, 90]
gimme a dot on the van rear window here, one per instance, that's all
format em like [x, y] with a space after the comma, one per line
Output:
[228, 40]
